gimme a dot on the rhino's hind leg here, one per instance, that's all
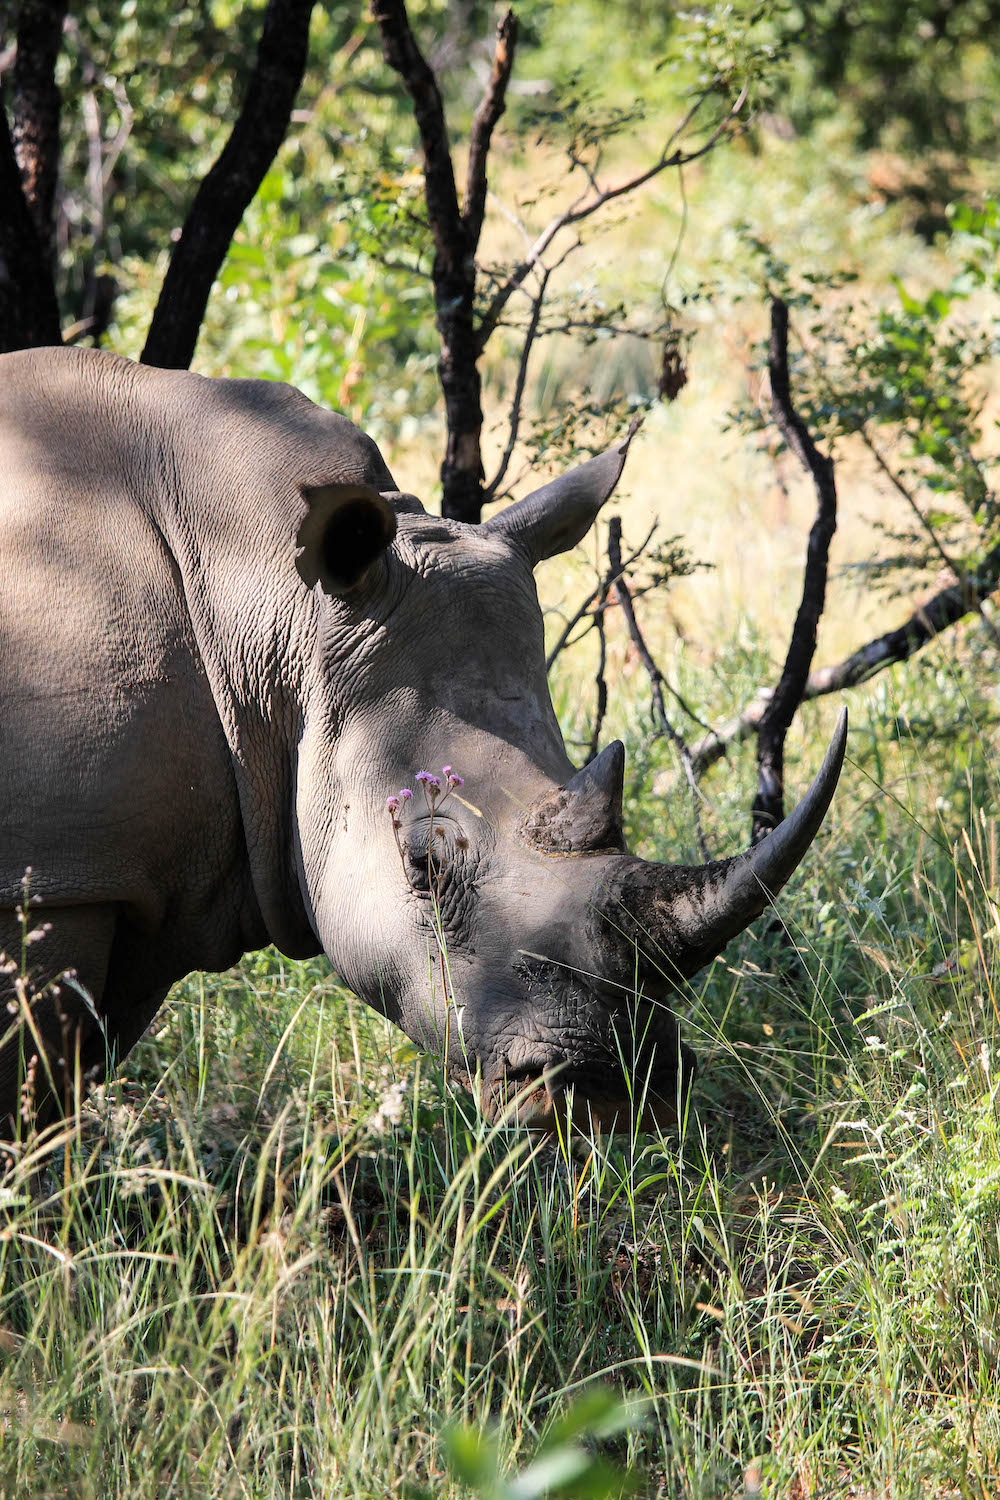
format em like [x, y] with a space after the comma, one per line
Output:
[42, 1052]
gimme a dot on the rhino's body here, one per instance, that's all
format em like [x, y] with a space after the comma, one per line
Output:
[214, 667]
[146, 535]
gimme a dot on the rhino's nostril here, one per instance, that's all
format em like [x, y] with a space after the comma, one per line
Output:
[532, 1078]
[528, 1091]
[539, 1073]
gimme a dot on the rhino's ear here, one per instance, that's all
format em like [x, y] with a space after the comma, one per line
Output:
[346, 528]
[560, 514]
[403, 504]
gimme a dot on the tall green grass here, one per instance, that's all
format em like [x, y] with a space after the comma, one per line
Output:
[279, 1256]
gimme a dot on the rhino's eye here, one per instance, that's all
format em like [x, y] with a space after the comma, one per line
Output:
[428, 859]
[420, 872]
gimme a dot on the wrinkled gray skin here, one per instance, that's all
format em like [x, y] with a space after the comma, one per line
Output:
[225, 638]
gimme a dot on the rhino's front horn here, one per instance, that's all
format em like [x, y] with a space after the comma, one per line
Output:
[680, 917]
[585, 817]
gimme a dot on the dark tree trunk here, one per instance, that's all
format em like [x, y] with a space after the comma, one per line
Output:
[36, 110]
[462, 468]
[227, 190]
[29, 313]
[29, 167]
[769, 804]
[456, 238]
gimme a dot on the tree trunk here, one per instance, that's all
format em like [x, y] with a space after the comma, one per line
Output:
[29, 312]
[228, 189]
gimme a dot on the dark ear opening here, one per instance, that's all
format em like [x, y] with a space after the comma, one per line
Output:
[347, 527]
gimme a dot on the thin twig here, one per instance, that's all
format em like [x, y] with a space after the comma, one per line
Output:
[514, 421]
[907, 494]
[619, 330]
[407, 268]
[679, 240]
[574, 621]
[655, 676]
[903, 489]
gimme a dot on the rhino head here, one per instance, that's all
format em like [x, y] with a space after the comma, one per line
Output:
[500, 922]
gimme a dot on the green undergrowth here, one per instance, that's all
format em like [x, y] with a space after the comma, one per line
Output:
[282, 1257]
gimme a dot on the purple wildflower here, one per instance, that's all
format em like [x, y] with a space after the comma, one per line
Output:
[446, 771]
[392, 803]
[405, 795]
[455, 780]
[424, 776]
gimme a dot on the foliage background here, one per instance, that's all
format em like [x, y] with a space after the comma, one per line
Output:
[283, 1258]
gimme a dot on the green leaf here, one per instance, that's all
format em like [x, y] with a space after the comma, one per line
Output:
[554, 1469]
[597, 1412]
[471, 1455]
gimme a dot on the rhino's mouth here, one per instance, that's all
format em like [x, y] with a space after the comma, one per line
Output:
[556, 1095]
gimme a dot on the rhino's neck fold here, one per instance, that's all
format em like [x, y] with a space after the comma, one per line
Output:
[229, 527]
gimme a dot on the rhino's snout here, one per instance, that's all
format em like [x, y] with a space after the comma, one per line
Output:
[608, 1065]
[615, 1054]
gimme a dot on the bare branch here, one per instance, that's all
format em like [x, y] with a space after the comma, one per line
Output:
[768, 805]
[942, 610]
[490, 109]
[408, 268]
[594, 198]
[655, 676]
[595, 592]
[907, 494]
[514, 422]
[114, 149]
[228, 189]
[619, 330]
[602, 660]
[949, 562]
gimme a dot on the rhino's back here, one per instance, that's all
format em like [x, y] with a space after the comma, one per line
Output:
[107, 725]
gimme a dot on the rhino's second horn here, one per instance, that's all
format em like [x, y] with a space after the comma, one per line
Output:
[585, 817]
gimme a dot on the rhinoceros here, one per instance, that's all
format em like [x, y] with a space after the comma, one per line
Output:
[226, 639]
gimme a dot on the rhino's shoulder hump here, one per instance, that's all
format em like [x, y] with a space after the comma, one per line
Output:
[286, 428]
